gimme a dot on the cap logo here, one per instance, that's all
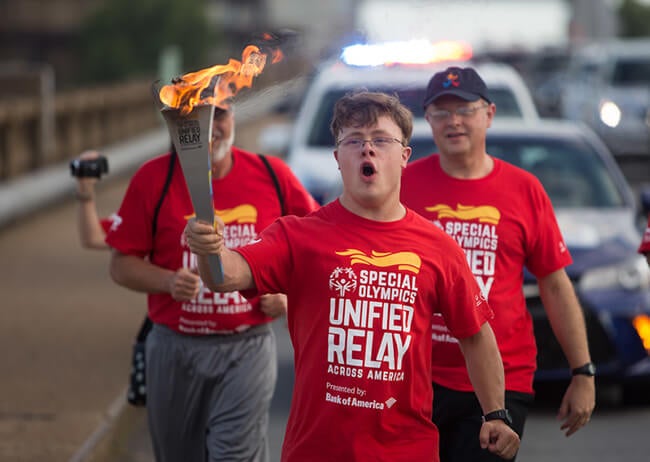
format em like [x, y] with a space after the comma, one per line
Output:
[452, 81]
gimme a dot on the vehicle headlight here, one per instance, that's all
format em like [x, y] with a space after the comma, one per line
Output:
[632, 274]
[610, 114]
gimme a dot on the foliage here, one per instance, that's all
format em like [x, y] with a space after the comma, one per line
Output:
[124, 38]
[634, 18]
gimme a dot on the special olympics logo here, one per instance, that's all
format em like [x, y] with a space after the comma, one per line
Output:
[343, 280]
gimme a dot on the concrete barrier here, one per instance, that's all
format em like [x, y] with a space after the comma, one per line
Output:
[33, 191]
[30, 192]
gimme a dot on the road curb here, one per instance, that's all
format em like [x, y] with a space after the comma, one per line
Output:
[85, 453]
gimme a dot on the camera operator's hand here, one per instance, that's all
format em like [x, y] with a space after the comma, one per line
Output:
[86, 185]
[184, 285]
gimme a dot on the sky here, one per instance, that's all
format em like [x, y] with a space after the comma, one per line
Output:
[484, 24]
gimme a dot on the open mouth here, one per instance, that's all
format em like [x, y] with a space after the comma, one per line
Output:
[367, 170]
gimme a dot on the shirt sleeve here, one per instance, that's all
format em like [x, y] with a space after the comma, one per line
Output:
[463, 307]
[106, 223]
[131, 233]
[269, 259]
[547, 251]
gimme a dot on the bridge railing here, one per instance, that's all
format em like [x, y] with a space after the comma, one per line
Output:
[39, 131]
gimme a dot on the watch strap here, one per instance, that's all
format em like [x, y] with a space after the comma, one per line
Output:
[499, 414]
[588, 369]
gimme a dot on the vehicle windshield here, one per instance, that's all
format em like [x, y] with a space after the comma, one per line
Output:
[631, 72]
[573, 175]
[320, 135]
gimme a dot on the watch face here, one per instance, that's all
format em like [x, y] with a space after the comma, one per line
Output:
[588, 369]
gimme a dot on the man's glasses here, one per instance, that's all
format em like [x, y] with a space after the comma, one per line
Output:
[380, 143]
[440, 115]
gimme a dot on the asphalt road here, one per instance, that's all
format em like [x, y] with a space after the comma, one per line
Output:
[65, 336]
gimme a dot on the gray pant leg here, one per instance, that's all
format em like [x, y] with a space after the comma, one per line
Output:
[176, 434]
[208, 398]
[239, 417]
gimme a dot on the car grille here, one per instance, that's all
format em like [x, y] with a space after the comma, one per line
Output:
[549, 352]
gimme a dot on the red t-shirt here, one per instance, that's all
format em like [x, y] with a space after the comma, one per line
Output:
[108, 222]
[247, 202]
[361, 295]
[645, 242]
[504, 221]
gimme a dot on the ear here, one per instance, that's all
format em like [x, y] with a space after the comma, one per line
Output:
[427, 117]
[406, 155]
[336, 158]
[491, 111]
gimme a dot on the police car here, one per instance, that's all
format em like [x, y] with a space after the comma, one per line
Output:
[403, 68]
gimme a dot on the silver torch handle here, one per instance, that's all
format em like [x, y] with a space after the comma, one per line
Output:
[191, 134]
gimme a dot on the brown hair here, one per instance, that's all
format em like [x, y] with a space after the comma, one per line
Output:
[363, 108]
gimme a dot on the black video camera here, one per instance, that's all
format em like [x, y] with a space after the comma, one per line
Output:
[82, 168]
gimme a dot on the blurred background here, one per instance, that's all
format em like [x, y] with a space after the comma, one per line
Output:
[77, 75]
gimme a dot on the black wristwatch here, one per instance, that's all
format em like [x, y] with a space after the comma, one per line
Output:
[499, 414]
[588, 369]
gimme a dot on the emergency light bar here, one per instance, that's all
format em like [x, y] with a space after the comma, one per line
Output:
[409, 52]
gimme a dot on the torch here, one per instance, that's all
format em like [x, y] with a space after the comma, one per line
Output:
[191, 134]
[188, 106]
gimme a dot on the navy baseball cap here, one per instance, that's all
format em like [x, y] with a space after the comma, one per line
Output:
[463, 82]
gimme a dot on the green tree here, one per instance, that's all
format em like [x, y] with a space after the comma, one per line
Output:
[124, 38]
[634, 19]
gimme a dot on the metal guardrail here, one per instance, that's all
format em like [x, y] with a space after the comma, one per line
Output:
[36, 132]
[30, 191]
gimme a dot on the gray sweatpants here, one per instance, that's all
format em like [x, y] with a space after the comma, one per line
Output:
[208, 397]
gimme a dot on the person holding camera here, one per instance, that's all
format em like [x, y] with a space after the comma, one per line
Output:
[87, 170]
[211, 363]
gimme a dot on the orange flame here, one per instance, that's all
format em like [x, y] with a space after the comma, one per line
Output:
[186, 92]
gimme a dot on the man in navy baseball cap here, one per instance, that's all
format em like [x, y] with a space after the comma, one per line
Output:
[463, 82]
[460, 178]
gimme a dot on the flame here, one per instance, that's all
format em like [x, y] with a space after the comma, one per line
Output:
[187, 91]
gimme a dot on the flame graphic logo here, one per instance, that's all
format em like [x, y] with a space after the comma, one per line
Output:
[482, 213]
[452, 80]
[245, 213]
[407, 261]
